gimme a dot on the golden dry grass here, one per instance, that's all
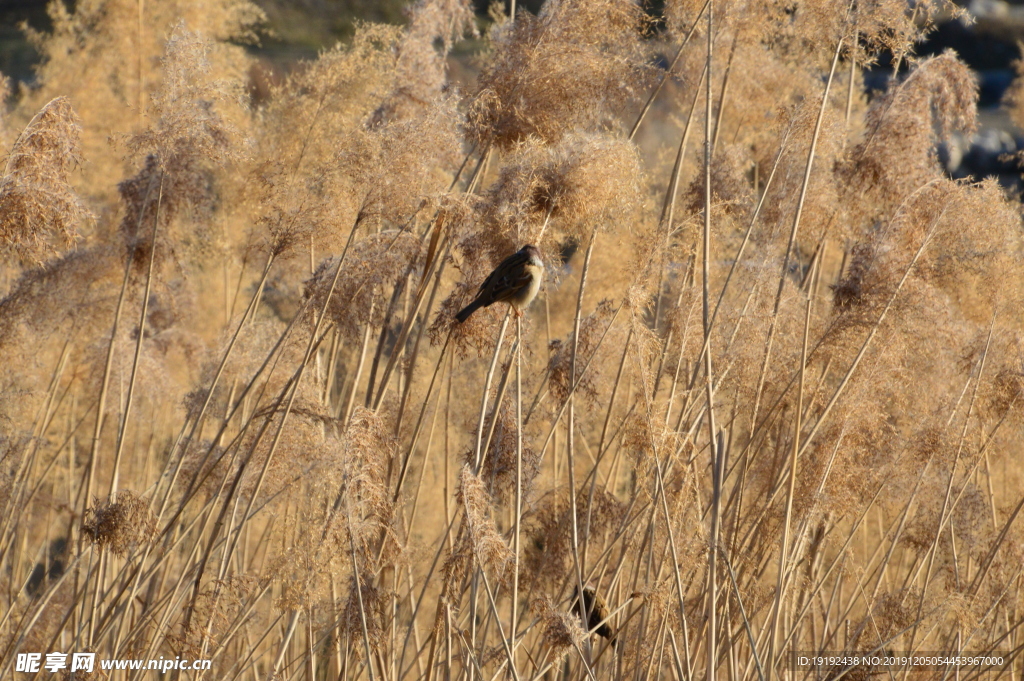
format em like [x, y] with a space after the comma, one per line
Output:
[769, 399]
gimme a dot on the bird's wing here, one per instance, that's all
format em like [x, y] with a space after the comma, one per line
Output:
[511, 276]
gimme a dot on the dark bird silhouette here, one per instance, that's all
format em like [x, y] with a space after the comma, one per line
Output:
[594, 611]
[515, 281]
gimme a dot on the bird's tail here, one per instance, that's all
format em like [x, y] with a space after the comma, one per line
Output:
[468, 310]
[606, 631]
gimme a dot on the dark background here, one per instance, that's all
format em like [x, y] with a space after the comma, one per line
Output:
[298, 29]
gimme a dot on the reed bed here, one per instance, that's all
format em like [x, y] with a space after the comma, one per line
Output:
[768, 400]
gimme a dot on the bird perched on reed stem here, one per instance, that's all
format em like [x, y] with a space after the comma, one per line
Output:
[593, 611]
[515, 281]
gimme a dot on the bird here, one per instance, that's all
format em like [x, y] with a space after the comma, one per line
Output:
[596, 611]
[515, 281]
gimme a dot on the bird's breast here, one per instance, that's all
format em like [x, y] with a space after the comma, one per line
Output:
[526, 294]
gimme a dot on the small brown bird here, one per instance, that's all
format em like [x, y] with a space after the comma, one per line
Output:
[595, 612]
[515, 281]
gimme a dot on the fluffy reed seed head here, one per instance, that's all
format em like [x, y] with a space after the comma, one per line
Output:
[488, 545]
[121, 526]
[40, 213]
[562, 630]
[421, 69]
[573, 67]
[187, 142]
